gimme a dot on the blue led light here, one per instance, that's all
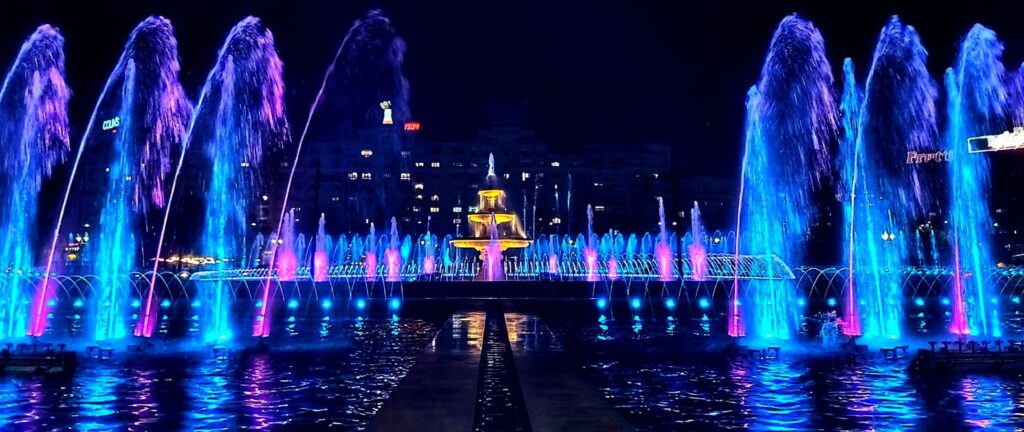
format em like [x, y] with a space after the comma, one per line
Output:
[360, 304]
[703, 303]
[670, 303]
[801, 302]
[165, 304]
[196, 304]
[78, 303]
[635, 303]
[293, 304]
[1015, 300]
[51, 303]
[945, 301]
[395, 304]
[919, 301]
[326, 304]
[831, 302]
[602, 303]
[136, 303]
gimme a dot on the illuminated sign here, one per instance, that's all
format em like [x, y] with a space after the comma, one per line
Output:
[1004, 141]
[412, 126]
[111, 123]
[914, 158]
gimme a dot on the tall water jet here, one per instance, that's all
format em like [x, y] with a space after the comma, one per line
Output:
[887, 196]
[240, 114]
[371, 39]
[321, 261]
[392, 256]
[977, 105]
[552, 254]
[791, 122]
[696, 250]
[491, 254]
[34, 136]
[590, 252]
[150, 113]
[663, 250]
[853, 98]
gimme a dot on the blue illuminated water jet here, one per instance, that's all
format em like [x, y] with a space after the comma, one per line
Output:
[152, 112]
[887, 196]
[977, 105]
[241, 115]
[791, 122]
[34, 134]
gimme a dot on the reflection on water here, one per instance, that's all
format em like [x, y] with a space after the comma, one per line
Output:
[338, 385]
[660, 379]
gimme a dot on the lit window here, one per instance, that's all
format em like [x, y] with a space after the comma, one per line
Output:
[435, 209]
[599, 208]
[335, 199]
[556, 164]
[474, 209]
[655, 175]
[406, 154]
[556, 220]
[367, 176]
[415, 209]
[435, 198]
[435, 164]
[418, 186]
[366, 153]
[456, 209]
[419, 164]
[353, 176]
[506, 176]
[406, 177]
[245, 164]
[419, 197]
[526, 175]
[456, 221]
[457, 164]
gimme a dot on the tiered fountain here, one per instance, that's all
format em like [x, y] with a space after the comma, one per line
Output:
[494, 228]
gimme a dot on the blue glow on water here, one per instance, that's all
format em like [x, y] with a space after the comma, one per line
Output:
[293, 304]
[635, 303]
[602, 303]
[1015, 299]
[831, 302]
[704, 303]
[919, 301]
[945, 301]
[326, 304]
[395, 304]
[670, 304]
[360, 304]
[78, 303]
[165, 303]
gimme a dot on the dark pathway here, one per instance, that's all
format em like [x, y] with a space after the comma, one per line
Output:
[496, 371]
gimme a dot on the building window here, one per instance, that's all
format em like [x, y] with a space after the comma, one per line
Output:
[456, 209]
[435, 164]
[367, 176]
[435, 198]
[457, 164]
[353, 176]
[419, 164]
[526, 176]
[366, 153]
[419, 197]
[555, 164]
[406, 177]
[406, 154]
[474, 209]
[435, 209]
[415, 209]
[335, 199]
[418, 186]
[599, 208]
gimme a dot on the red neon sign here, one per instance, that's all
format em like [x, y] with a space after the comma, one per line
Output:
[412, 126]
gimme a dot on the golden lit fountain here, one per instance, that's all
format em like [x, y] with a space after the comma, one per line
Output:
[494, 229]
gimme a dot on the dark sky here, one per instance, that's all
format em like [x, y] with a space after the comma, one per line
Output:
[617, 71]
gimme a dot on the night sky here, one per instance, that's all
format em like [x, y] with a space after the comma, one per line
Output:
[594, 71]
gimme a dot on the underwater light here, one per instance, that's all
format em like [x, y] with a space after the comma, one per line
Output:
[670, 303]
[394, 304]
[602, 303]
[635, 303]
[78, 303]
[704, 303]
[801, 302]
[360, 304]
[326, 304]
[166, 303]
[831, 302]
[136, 303]
[919, 301]
[293, 304]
